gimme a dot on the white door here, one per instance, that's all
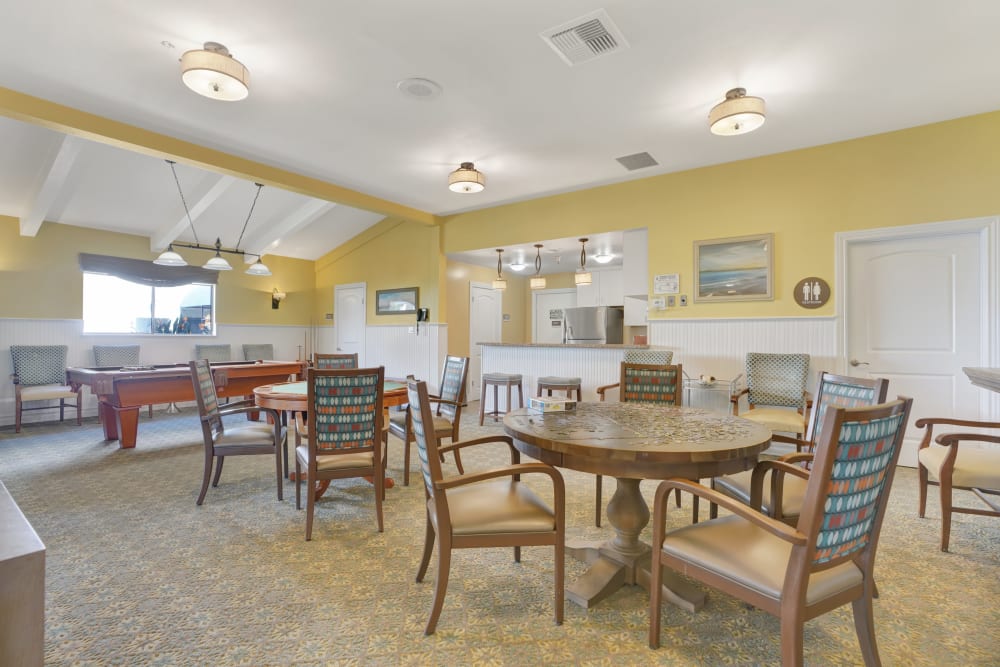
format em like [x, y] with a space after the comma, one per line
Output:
[349, 310]
[546, 318]
[485, 320]
[916, 313]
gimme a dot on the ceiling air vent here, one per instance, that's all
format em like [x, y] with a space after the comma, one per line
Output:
[585, 38]
[637, 161]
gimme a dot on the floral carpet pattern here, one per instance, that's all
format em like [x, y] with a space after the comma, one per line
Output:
[138, 575]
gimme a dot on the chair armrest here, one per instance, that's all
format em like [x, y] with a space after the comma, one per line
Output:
[14, 378]
[796, 457]
[248, 406]
[930, 422]
[602, 389]
[773, 526]
[778, 470]
[446, 401]
[236, 405]
[515, 455]
[734, 399]
[949, 439]
[800, 444]
[515, 470]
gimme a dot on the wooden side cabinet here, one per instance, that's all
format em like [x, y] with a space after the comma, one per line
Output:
[22, 588]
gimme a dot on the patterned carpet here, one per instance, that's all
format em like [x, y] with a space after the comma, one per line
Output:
[138, 575]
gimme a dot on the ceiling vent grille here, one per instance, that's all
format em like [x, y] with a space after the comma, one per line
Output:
[637, 161]
[588, 37]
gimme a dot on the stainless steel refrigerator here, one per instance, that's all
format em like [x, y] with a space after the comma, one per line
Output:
[593, 325]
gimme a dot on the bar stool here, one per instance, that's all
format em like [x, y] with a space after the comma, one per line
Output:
[552, 383]
[497, 380]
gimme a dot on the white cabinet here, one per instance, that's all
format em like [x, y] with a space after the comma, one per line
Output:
[604, 290]
[635, 312]
[635, 263]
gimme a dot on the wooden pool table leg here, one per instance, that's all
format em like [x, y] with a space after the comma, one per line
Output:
[128, 426]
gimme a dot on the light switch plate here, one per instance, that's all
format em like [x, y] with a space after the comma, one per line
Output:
[658, 303]
[671, 301]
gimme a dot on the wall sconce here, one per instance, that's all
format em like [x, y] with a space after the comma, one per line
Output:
[276, 298]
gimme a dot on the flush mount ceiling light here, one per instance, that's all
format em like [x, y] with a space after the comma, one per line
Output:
[169, 257]
[603, 257]
[582, 276]
[499, 282]
[538, 282]
[738, 114]
[213, 72]
[517, 266]
[466, 179]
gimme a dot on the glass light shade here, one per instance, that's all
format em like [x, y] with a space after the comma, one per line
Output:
[603, 258]
[738, 114]
[582, 277]
[537, 283]
[170, 258]
[217, 263]
[499, 283]
[517, 266]
[466, 180]
[214, 73]
[258, 268]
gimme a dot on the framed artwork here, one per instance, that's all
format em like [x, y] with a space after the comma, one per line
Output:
[734, 269]
[397, 301]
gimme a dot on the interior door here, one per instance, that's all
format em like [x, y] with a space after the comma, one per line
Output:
[485, 320]
[546, 319]
[349, 310]
[914, 314]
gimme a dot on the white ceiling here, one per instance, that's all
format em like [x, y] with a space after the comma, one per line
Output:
[324, 102]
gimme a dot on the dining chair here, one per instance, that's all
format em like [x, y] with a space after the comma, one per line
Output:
[823, 562]
[117, 356]
[658, 357]
[258, 351]
[776, 391]
[771, 479]
[448, 406]
[328, 361]
[250, 439]
[40, 375]
[644, 383]
[214, 353]
[489, 508]
[345, 424]
[963, 461]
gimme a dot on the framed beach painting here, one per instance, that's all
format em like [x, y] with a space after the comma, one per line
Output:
[397, 301]
[734, 269]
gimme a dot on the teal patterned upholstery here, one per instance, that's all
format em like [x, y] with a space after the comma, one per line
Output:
[209, 401]
[651, 383]
[660, 357]
[335, 361]
[343, 410]
[213, 352]
[777, 379]
[258, 351]
[39, 364]
[452, 385]
[116, 356]
[842, 392]
[419, 430]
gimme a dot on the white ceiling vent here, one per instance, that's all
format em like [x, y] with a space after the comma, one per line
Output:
[585, 38]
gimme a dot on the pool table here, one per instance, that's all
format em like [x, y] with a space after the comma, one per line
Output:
[122, 391]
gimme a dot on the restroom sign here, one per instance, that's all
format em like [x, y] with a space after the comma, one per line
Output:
[811, 292]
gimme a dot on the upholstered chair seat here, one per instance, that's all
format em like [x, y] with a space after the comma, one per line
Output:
[974, 468]
[500, 506]
[40, 375]
[776, 391]
[776, 419]
[241, 435]
[338, 461]
[47, 392]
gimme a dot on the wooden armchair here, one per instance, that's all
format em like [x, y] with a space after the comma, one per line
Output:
[258, 351]
[657, 357]
[823, 562]
[491, 508]
[776, 391]
[332, 361]
[952, 465]
[117, 356]
[40, 375]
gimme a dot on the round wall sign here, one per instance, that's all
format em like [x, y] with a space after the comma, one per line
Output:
[811, 292]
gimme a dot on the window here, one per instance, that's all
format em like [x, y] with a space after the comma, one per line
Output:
[114, 305]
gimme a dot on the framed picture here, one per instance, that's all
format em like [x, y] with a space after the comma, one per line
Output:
[397, 301]
[734, 269]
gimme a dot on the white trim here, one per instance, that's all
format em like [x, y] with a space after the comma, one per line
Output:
[534, 304]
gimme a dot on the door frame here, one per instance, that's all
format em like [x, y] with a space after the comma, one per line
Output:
[364, 324]
[534, 304]
[988, 229]
[474, 395]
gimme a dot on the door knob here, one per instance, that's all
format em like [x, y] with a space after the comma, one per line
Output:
[855, 362]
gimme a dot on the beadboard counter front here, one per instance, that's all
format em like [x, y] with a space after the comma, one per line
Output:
[595, 365]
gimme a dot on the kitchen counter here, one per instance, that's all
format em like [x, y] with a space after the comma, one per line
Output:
[615, 346]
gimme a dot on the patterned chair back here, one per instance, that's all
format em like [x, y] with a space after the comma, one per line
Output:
[258, 351]
[213, 352]
[36, 365]
[777, 379]
[453, 385]
[204, 393]
[345, 410]
[422, 426]
[848, 489]
[335, 361]
[658, 357]
[651, 383]
[116, 356]
[841, 391]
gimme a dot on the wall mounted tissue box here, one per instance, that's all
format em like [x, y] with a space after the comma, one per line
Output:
[550, 404]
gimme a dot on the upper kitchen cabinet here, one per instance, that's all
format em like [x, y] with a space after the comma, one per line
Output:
[604, 290]
[635, 263]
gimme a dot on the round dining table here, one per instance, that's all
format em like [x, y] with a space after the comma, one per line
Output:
[632, 442]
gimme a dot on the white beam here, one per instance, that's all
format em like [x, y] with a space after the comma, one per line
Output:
[160, 239]
[56, 174]
[298, 219]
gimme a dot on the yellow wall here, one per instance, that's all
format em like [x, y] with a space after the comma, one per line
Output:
[40, 276]
[516, 303]
[939, 172]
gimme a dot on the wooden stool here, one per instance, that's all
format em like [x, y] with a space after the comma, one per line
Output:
[497, 380]
[569, 385]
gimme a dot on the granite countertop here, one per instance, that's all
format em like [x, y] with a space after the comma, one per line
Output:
[610, 346]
